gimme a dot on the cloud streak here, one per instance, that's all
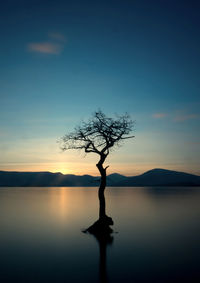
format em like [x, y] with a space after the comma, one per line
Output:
[45, 47]
[57, 36]
[186, 117]
[159, 115]
[177, 116]
[54, 44]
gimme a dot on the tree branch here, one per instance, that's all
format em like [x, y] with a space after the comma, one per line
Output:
[99, 134]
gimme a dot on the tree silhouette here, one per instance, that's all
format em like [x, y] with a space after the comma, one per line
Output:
[99, 135]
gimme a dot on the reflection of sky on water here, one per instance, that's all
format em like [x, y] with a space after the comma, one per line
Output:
[40, 234]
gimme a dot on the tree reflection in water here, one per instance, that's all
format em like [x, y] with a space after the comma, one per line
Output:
[104, 239]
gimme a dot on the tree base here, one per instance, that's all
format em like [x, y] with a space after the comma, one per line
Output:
[101, 226]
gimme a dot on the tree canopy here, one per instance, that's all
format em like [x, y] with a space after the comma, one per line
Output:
[99, 134]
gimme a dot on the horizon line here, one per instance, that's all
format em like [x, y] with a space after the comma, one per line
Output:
[97, 175]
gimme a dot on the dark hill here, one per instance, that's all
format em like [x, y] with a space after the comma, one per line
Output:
[44, 179]
[155, 177]
[114, 179]
[162, 177]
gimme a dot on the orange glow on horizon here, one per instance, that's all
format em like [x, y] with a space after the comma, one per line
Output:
[90, 168]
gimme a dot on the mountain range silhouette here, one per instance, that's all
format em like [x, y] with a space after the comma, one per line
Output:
[154, 177]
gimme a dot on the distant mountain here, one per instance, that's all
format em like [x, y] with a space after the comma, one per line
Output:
[114, 179]
[162, 177]
[45, 179]
[155, 177]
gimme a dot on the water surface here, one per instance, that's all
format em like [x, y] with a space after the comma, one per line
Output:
[156, 235]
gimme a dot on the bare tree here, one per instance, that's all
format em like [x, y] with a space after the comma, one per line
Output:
[99, 135]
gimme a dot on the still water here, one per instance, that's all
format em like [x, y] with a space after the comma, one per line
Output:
[156, 235]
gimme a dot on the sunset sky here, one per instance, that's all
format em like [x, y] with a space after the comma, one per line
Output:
[62, 60]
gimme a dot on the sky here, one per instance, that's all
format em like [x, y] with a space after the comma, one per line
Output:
[63, 60]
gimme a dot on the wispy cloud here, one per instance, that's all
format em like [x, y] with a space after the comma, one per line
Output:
[159, 115]
[45, 47]
[178, 116]
[186, 117]
[53, 45]
[57, 36]
[193, 143]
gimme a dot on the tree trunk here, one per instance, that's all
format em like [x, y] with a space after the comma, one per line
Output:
[102, 203]
[102, 226]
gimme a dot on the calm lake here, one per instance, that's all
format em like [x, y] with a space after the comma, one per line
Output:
[156, 235]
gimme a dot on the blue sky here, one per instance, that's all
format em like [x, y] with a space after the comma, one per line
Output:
[62, 60]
